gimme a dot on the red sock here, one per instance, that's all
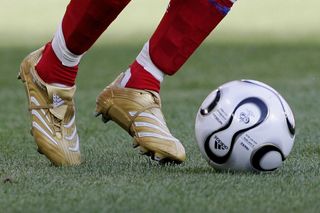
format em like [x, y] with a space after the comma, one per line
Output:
[51, 70]
[182, 29]
[141, 79]
[83, 22]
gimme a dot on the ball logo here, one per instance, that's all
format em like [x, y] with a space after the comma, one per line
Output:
[218, 144]
[245, 116]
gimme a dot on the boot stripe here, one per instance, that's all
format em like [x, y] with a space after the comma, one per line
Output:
[155, 135]
[149, 115]
[35, 102]
[34, 124]
[71, 122]
[69, 138]
[145, 124]
[35, 113]
[76, 148]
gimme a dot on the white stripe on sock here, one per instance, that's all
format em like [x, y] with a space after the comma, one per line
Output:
[144, 60]
[59, 47]
[125, 78]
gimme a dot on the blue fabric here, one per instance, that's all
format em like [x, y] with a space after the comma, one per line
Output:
[223, 9]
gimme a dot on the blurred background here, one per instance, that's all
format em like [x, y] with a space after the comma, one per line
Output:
[33, 22]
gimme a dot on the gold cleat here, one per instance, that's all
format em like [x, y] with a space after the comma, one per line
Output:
[139, 113]
[53, 115]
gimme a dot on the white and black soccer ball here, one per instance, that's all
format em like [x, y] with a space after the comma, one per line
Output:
[245, 125]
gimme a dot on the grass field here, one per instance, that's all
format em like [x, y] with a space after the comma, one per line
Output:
[115, 178]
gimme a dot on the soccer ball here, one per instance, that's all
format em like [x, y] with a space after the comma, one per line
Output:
[245, 125]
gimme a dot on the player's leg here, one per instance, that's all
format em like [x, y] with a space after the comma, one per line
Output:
[133, 100]
[82, 24]
[183, 28]
[49, 77]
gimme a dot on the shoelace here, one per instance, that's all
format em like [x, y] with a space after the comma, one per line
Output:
[56, 125]
[56, 122]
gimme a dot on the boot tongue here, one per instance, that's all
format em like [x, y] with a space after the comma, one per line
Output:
[61, 98]
[156, 97]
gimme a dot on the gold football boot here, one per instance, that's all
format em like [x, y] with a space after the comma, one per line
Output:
[53, 115]
[139, 113]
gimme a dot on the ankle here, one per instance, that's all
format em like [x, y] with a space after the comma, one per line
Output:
[138, 78]
[51, 70]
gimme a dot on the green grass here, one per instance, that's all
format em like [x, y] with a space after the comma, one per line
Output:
[273, 41]
[114, 178]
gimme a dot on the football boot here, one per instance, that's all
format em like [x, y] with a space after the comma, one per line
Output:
[52, 115]
[139, 113]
